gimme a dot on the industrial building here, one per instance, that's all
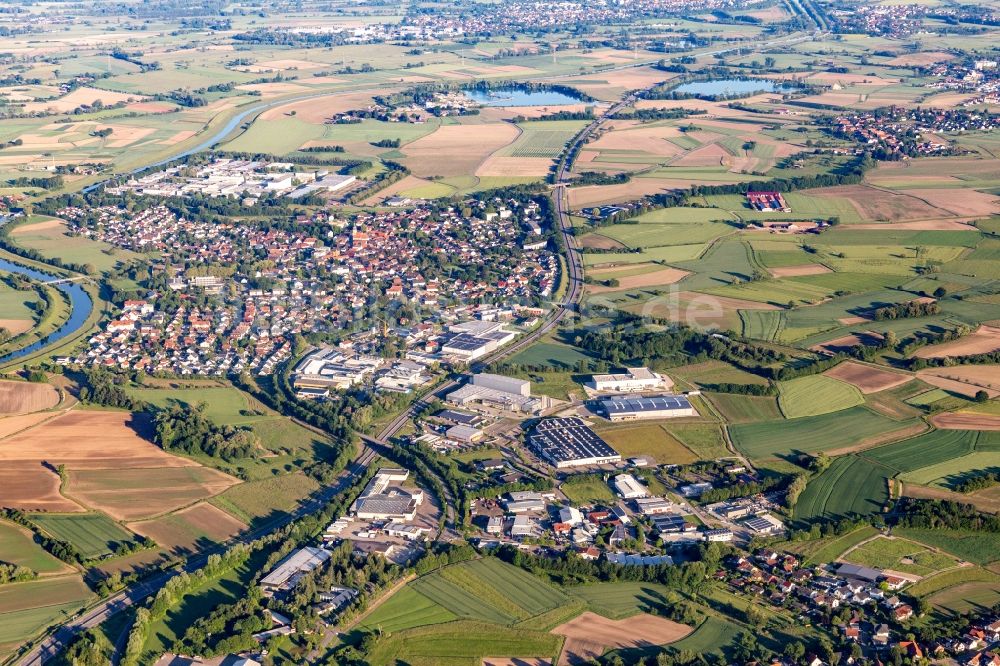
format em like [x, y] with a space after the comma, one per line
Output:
[330, 368]
[569, 442]
[497, 391]
[632, 408]
[633, 379]
[464, 434]
[476, 338]
[764, 524]
[628, 487]
[384, 499]
[290, 570]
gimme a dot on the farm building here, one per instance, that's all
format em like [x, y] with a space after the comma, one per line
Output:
[768, 202]
[291, 569]
[628, 487]
[633, 379]
[569, 442]
[624, 408]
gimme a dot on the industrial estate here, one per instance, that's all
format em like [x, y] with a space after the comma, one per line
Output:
[509, 333]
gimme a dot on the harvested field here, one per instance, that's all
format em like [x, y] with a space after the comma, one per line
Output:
[16, 326]
[846, 342]
[30, 486]
[130, 494]
[79, 97]
[966, 421]
[318, 109]
[797, 271]
[920, 225]
[985, 376]
[961, 387]
[590, 635]
[984, 340]
[89, 440]
[600, 242]
[457, 150]
[589, 195]
[831, 78]
[515, 167]
[189, 529]
[24, 397]
[654, 279]
[876, 204]
[515, 661]
[711, 155]
[964, 202]
[925, 58]
[867, 378]
[644, 139]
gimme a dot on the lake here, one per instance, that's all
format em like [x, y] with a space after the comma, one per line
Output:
[521, 97]
[80, 307]
[730, 87]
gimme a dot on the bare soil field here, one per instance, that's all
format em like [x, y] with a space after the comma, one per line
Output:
[15, 424]
[32, 486]
[954, 386]
[590, 635]
[515, 661]
[712, 109]
[654, 279]
[185, 530]
[89, 440]
[876, 204]
[867, 378]
[985, 376]
[589, 195]
[131, 494]
[183, 135]
[966, 421]
[277, 88]
[984, 340]
[16, 326]
[405, 183]
[79, 97]
[23, 397]
[796, 271]
[457, 150]
[599, 242]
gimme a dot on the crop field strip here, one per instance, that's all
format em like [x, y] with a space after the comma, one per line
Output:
[826, 497]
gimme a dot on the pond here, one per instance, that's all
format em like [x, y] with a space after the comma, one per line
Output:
[519, 96]
[730, 87]
[79, 300]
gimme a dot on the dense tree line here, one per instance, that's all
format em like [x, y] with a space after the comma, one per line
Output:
[101, 387]
[185, 428]
[907, 310]
[941, 514]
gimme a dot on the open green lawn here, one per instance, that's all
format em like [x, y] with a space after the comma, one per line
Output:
[586, 490]
[828, 549]
[826, 497]
[900, 555]
[17, 546]
[736, 408]
[17, 304]
[815, 395]
[704, 440]
[552, 354]
[93, 534]
[55, 242]
[223, 405]
[810, 434]
[712, 636]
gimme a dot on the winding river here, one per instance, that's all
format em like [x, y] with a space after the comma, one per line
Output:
[80, 307]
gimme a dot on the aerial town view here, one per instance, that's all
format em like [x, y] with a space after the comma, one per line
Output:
[500, 333]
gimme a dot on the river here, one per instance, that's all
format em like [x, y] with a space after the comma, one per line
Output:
[80, 307]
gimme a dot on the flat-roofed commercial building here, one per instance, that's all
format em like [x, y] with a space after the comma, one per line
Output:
[569, 442]
[633, 379]
[632, 408]
[497, 391]
[290, 570]
[628, 487]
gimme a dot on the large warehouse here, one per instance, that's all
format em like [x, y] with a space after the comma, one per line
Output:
[569, 442]
[633, 379]
[497, 391]
[632, 408]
